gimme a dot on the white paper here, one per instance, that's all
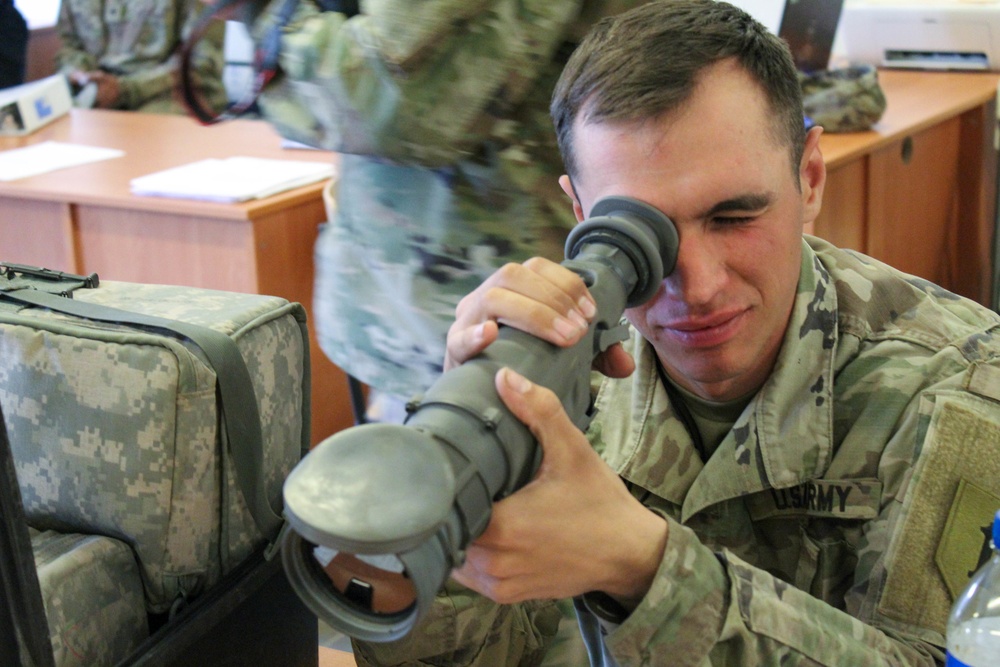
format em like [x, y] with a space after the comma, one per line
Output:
[231, 179]
[48, 156]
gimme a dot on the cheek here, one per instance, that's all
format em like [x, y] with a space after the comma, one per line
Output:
[771, 252]
[638, 316]
[777, 276]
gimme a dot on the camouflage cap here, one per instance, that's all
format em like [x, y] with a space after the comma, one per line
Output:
[843, 100]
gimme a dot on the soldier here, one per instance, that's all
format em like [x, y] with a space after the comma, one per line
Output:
[120, 55]
[448, 165]
[795, 451]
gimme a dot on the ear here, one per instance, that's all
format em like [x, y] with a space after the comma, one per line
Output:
[567, 185]
[812, 176]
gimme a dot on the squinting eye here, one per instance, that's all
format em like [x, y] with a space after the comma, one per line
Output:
[734, 220]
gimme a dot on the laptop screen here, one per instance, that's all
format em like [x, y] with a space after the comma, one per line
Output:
[809, 27]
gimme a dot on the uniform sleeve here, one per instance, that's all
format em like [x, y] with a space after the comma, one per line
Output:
[415, 82]
[72, 56]
[714, 609]
[149, 83]
[464, 629]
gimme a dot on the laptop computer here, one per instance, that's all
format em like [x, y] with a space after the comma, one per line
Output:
[809, 27]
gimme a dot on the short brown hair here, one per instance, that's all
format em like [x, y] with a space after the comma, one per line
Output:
[644, 63]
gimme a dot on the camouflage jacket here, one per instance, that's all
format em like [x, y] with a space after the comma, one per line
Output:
[834, 523]
[448, 165]
[136, 41]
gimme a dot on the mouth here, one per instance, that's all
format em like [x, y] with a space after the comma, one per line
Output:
[705, 332]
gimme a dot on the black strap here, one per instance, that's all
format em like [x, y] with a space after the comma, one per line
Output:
[240, 417]
[24, 628]
[357, 394]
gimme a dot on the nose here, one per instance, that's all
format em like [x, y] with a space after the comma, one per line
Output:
[700, 272]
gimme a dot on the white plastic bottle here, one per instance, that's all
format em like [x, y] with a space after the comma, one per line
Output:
[974, 624]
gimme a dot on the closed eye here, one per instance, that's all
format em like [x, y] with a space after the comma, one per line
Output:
[739, 210]
[733, 219]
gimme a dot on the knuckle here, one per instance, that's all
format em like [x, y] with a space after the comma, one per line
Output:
[535, 263]
[508, 271]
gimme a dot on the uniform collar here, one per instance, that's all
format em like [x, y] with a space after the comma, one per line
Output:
[779, 441]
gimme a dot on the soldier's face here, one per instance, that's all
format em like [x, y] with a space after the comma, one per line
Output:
[714, 168]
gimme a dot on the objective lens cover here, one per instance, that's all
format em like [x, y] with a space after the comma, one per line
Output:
[372, 489]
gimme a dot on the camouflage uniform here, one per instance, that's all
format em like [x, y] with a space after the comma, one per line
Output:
[834, 523]
[449, 165]
[135, 40]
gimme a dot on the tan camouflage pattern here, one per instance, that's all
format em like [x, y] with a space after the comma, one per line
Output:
[450, 162]
[137, 40]
[93, 597]
[463, 628]
[780, 545]
[115, 430]
[843, 100]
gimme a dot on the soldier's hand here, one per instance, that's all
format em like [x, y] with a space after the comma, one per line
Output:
[108, 89]
[574, 528]
[539, 297]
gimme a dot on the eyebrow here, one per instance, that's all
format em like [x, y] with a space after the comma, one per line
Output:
[747, 202]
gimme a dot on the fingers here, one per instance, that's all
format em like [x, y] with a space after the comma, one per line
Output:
[614, 362]
[465, 343]
[560, 534]
[574, 527]
[563, 444]
[535, 406]
[539, 297]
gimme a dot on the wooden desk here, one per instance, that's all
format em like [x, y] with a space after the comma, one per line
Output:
[919, 190]
[84, 219]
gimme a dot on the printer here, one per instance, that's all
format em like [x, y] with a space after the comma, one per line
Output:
[922, 34]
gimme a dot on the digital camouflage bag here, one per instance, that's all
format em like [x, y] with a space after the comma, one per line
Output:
[165, 417]
[843, 100]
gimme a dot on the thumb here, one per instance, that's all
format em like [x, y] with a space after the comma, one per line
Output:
[538, 408]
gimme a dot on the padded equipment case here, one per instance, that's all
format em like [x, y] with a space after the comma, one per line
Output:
[153, 420]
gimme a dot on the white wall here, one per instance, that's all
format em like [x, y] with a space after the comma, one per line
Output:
[767, 12]
[38, 13]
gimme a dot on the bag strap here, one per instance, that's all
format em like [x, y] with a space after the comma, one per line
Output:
[240, 417]
[24, 628]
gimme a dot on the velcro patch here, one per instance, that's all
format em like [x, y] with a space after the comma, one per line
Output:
[965, 544]
[837, 498]
[985, 381]
[962, 443]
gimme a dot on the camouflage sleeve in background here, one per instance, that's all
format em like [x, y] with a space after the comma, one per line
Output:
[413, 82]
[136, 40]
[449, 164]
[73, 55]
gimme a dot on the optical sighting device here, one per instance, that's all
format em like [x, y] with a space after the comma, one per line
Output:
[396, 505]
